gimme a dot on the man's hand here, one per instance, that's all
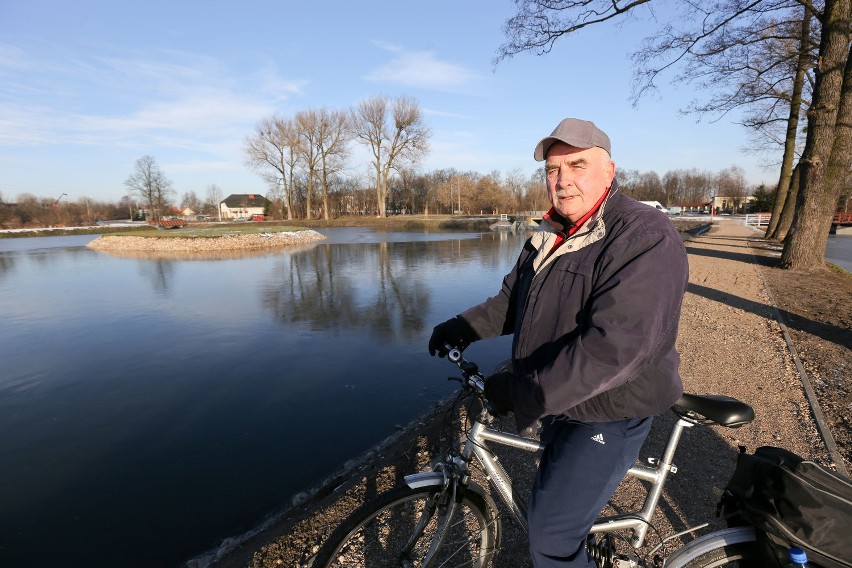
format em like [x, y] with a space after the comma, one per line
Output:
[498, 391]
[454, 332]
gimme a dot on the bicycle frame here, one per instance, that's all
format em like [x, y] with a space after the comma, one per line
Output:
[476, 445]
[638, 522]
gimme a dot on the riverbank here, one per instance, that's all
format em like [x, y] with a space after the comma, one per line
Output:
[748, 330]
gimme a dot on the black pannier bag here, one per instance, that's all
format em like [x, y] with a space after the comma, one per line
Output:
[792, 502]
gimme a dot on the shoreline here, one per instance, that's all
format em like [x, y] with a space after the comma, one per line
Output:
[226, 242]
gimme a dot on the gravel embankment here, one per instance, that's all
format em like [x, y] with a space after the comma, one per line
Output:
[257, 241]
[730, 343]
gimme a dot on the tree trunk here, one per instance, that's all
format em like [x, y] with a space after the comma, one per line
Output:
[380, 193]
[308, 191]
[792, 129]
[789, 211]
[290, 187]
[804, 248]
[841, 152]
[324, 192]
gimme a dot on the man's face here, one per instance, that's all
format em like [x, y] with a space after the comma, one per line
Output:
[577, 178]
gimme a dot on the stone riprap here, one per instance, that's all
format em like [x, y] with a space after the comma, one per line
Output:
[235, 242]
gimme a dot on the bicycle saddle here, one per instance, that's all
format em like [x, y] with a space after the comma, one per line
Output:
[721, 409]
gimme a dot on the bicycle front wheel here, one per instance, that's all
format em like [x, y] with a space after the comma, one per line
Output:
[729, 547]
[398, 528]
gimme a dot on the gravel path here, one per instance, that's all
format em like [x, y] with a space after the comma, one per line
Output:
[730, 343]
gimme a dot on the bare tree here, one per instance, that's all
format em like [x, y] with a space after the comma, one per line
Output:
[731, 184]
[537, 198]
[826, 151]
[405, 191]
[213, 200]
[650, 187]
[191, 200]
[3, 212]
[150, 185]
[396, 135]
[628, 180]
[539, 23]
[331, 138]
[491, 195]
[697, 186]
[756, 62]
[516, 186]
[368, 126]
[274, 151]
[308, 126]
[790, 138]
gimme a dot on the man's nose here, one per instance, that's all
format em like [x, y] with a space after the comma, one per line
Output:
[564, 178]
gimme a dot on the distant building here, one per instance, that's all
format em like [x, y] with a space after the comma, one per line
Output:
[732, 205]
[692, 206]
[243, 206]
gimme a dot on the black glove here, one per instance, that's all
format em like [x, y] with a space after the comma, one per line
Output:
[454, 332]
[498, 391]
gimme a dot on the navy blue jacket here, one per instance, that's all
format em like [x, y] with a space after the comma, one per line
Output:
[595, 322]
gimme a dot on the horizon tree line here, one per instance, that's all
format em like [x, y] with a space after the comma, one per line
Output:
[409, 191]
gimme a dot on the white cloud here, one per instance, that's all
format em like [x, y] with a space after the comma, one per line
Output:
[172, 99]
[11, 58]
[200, 166]
[443, 114]
[420, 69]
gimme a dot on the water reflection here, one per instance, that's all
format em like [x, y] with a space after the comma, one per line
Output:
[374, 288]
[7, 264]
[158, 272]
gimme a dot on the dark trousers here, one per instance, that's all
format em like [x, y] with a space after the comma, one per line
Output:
[580, 469]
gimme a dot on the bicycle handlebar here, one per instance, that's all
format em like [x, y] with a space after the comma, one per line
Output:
[472, 378]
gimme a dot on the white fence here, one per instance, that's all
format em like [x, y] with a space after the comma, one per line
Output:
[758, 219]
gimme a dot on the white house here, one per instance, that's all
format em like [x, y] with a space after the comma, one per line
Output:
[243, 205]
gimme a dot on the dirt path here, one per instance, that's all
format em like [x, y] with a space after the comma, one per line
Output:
[730, 343]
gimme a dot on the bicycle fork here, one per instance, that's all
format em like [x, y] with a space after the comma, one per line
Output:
[432, 506]
[444, 502]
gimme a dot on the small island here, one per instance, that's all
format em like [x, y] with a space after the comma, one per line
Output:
[206, 240]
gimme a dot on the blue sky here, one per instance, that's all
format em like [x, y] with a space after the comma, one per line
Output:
[86, 88]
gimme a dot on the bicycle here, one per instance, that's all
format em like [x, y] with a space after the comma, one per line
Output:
[442, 518]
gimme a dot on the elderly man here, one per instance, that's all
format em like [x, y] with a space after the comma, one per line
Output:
[593, 302]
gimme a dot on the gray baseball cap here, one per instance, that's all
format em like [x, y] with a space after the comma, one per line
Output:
[574, 132]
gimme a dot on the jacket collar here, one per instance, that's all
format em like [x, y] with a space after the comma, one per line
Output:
[553, 222]
[550, 230]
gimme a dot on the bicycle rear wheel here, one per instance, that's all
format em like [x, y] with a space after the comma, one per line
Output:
[729, 547]
[398, 528]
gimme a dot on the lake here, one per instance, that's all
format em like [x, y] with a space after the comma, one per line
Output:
[150, 407]
[838, 250]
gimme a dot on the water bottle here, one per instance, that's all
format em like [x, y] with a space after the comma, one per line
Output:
[798, 558]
